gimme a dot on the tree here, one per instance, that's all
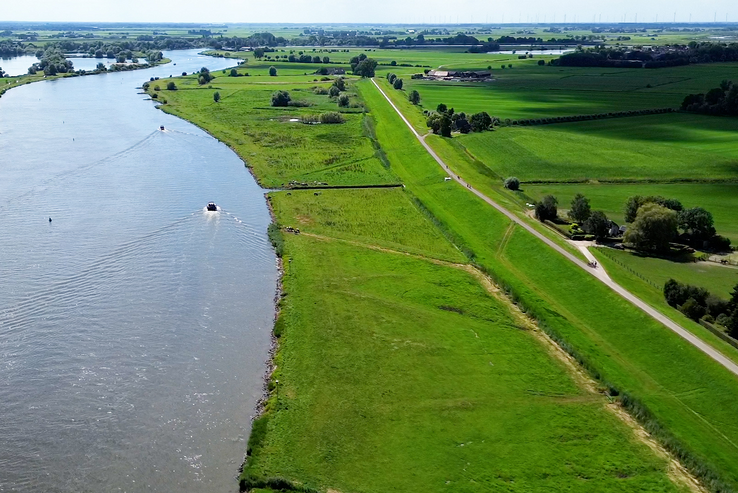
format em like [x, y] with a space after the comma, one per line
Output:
[697, 223]
[365, 68]
[441, 108]
[333, 92]
[281, 98]
[343, 101]
[692, 309]
[340, 84]
[234, 72]
[654, 227]
[205, 75]
[391, 78]
[541, 62]
[635, 202]
[480, 121]
[434, 122]
[171, 86]
[597, 224]
[216, 96]
[397, 84]
[461, 123]
[547, 208]
[273, 71]
[446, 125]
[326, 59]
[512, 183]
[580, 209]
[414, 97]
[259, 53]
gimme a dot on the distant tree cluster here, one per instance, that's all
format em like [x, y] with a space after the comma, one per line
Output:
[721, 100]
[697, 303]
[445, 120]
[656, 57]
[204, 76]
[363, 66]
[52, 61]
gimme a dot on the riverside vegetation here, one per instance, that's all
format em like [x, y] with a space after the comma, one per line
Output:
[400, 365]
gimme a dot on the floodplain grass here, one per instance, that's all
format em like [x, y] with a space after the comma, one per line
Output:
[406, 375]
[721, 199]
[385, 218]
[668, 147]
[279, 150]
[691, 399]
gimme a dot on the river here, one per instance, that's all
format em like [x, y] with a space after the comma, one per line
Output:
[134, 325]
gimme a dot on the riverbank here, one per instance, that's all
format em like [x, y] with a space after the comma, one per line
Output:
[12, 82]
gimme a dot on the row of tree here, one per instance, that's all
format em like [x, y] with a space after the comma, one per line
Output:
[52, 62]
[395, 81]
[666, 56]
[721, 100]
[446, 120]
[698, 303]
[588, 117]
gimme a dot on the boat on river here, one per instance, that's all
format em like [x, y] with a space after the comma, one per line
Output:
[161, 128]
[211, 206]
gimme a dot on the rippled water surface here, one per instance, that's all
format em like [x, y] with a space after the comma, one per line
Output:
[134, 326]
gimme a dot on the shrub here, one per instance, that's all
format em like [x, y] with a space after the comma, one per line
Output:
[512, 183]
[281, 98]
[708, 318]
[541, 62]
[343, 101]
[723, 319]
[272, 71]
[216, 96]
[331, 117]
[547, 209]
[397, 84]
[274, 233]
[414, 97]
[171, 86]
[334, 92]
[157, 88]
[320, 90]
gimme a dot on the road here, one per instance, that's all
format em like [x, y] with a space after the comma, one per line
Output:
[666, 321]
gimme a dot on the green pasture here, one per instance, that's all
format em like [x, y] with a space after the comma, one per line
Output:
[399, 374]
[721, 199]
[690, 396]
[532, 91]
[279, 150]
[668, 147]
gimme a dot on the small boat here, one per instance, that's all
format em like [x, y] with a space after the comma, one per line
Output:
[211, 206]
[161, 128]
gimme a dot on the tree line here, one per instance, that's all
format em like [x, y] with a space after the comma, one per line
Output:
[664, 56]
[699, 304]
[446, 120]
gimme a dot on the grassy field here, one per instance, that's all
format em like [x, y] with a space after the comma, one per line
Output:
[721, 199]
[647, 148]
[279, 150]
[686, 392]
[404, 374]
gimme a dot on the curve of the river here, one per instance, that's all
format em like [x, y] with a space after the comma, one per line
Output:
[134, 326]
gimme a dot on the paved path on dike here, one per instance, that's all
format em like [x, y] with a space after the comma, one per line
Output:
[598, 274]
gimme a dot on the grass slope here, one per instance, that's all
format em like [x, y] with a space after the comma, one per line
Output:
[401, 374]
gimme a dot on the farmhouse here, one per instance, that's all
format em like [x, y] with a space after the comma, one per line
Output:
[459, 75]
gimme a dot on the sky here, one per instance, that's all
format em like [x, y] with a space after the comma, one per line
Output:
[369, 11]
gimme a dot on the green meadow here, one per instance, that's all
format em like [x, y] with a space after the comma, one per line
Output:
[397, 372]
[272, 141]
[668, 147]
[690, 398]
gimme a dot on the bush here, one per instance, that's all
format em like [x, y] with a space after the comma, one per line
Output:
[281, 98]
[708, 318]
[320, 90]
[331, 117]
[547, 209]
[397, 84]
[334, 92]
[414, 97]
[171, 86]
[157, 88]
[723, 319]
[512, 183]
[541, 62]
[343, 101]
[272, 71]
[274, 233]
[216, 96]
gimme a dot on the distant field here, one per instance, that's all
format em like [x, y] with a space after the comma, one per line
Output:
[721, 199]
[531, 91]
[657, 147]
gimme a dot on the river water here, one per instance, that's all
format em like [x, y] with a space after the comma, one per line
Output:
[134, 326]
